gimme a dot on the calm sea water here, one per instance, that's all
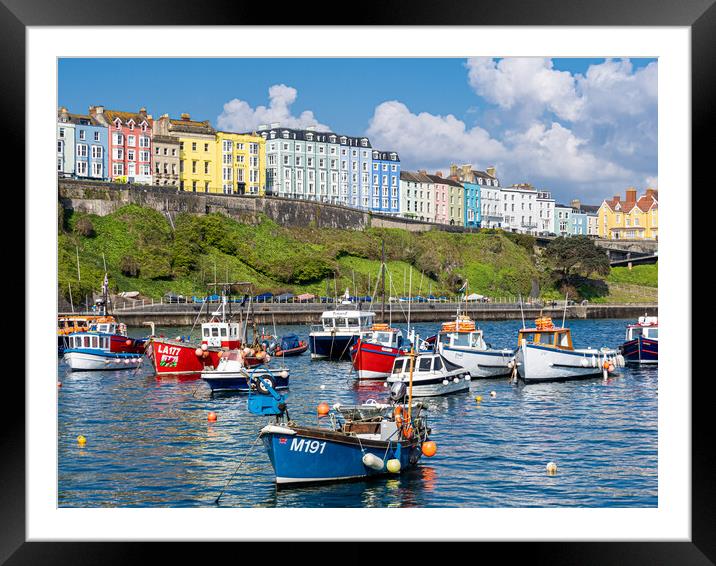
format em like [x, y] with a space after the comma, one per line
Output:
[149, 442]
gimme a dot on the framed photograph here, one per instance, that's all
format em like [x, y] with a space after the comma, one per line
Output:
[304, 278]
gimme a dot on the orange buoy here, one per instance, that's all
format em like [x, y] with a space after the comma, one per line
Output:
[198, 352]
[429, 448]
[407, 431]
[59, 384]
[128, 342]
[211, 417]
[323, 408]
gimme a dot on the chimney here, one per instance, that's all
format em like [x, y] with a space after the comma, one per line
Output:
[422, 171]
[491, 171]
[275, 124]
[576, 204]
[262, 127]
[616, 198]
[439, 174]
[631, 194]
[651, 193]
[310, 128]
[143, 112]
[466, 172]
[97, 109]
[453, 170]
[186, 117]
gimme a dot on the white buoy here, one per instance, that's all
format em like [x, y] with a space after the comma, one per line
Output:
[204, 347]
[551, 468]
[323, 386]
[372, 461]
[456, 380]
[445, 382]
[493, 394]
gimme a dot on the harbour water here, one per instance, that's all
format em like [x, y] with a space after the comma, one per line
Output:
[149, 443]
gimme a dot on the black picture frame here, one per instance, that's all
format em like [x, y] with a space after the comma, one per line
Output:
[699, 15]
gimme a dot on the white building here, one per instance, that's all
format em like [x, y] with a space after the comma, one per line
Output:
[526, 210]
[417, 196]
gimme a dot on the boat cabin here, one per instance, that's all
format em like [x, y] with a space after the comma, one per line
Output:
[353, 320]
[424, 363]
[116, 328]
[89, 341]
[472, 340]
[221, 334]
[546, 334]
[647, 327]
[385, 336]
[70, 324]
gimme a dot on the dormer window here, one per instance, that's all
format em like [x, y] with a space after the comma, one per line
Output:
[284, 135]
[309, 137]
[131, 124]
[118, 123]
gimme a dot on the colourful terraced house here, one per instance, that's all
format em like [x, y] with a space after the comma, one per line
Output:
[631, 219]
[129, 144]
[241, 164]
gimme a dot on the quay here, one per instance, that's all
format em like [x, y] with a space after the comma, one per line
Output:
[185, 314]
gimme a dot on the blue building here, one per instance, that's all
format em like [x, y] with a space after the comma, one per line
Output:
[578, 223]
[562, 220]
[473, 215]
[86, 149]
[356, 160]
[385, 184]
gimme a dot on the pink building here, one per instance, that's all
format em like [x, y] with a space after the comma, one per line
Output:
[130, 143]
[442, 198]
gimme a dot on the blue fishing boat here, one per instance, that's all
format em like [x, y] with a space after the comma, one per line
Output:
[339, 330]
[356, 443]
[285, 346]
[642, 341]
[233, 374]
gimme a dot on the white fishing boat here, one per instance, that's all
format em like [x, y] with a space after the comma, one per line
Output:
[233, 373]
[432, 374]
[339, 330]
[463, 344]
[546, 353]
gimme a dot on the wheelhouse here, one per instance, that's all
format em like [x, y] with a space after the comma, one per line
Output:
[217, 333]
[472, 340]
[546, 334]
[87, 341]
[347, 321]
[109, 328]
[385, 336]
[634, 331]
[425, 363]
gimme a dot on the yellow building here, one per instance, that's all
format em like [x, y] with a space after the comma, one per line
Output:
[631, 219]
[197, 152]
[241, 164]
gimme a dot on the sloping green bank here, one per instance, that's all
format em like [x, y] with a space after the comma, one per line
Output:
[144, 251]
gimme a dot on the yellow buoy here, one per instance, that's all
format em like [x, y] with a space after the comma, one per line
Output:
[81, 440]
[393, 466]
[478, 398]
[551, 468]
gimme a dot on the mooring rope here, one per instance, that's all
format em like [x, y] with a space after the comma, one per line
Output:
[216, 501]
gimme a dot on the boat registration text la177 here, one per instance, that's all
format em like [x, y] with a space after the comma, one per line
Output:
[170, 350]
[308, 446]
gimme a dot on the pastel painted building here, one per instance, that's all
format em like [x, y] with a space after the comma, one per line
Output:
[166, 154]
[631, 219]
[356, 158]
[242, 159]
[545, 212]
[521, 205]
[197, 151]
[65, 144]
[592, 214]
[130, 143]
[562, 220]
[578, 223]
[441, 194]
[305, 164]
[471, 192]
[385, 184]
[83, 143]
[481, 195]
[416, 196]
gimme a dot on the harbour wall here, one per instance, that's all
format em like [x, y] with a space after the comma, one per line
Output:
[310, 313]
[102, 198]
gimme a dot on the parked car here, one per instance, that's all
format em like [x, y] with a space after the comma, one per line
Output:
[173, 298]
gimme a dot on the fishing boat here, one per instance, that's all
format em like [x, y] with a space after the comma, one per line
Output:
[432, 374]
[233, 374]
[338, 331]
[352, 445]
[184, 357]
[462, 343]
[641, 344]
[284, 346]
[67, 325]
[373, 354]
[545, 353]
[104, 346]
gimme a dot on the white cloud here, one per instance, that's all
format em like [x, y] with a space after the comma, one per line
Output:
[238, 116]
[529, 84]
[581, 135]
[428, 139]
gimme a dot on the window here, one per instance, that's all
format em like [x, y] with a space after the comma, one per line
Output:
[131, 141]
[96, 136]
[82, 134]
[82, 168]
[96, 169]
[144, 141]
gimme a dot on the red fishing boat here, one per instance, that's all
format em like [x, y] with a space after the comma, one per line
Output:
[374, 353]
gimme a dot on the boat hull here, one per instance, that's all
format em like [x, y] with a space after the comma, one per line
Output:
[480, 363]
[171, 357]
[302, 455]
[331, 346]
[641, 351]
[236, 381]
[539, 363]
[434, 386]
[373, 361]
[82, 360]
[292, 351]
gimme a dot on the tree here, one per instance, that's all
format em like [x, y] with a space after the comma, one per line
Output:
[84, 227]
[575, 256]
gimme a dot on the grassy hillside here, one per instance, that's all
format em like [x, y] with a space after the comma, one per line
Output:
[144, 252]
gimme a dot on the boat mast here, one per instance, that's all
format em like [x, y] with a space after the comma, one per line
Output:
[382, 266]
[410, 383]
[564, 314]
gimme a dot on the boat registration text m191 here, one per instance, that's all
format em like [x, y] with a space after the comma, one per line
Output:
[308, 446]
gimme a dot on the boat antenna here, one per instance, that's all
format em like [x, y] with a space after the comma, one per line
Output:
[410, 381]
[382, 268]
[72, 306]
[564, 314]
[410, 297]
[522, 312]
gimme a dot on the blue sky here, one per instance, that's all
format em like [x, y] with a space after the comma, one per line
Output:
[487, 112]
